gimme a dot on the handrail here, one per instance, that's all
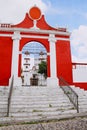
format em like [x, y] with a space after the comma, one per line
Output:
[9, 96]
[72, 95]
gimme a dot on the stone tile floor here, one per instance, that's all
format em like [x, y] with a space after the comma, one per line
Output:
[78, 123]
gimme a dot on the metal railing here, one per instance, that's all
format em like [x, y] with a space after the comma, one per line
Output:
[72, 95]
[9, 96]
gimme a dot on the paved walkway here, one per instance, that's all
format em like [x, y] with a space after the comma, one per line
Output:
[78, 123]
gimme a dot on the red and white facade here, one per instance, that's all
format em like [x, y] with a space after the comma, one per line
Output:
[55, 40]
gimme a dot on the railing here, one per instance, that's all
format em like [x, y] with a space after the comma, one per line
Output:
[9, 96]
[5, 25]
[72, 95]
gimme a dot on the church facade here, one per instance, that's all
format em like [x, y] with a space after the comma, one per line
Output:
[56, 42]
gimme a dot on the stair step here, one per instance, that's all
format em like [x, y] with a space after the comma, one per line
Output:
[36, 101]
[40, 108]
[3, 114]
[39, 102]
[48, 113]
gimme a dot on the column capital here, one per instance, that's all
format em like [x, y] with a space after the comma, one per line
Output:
[16, 35]
[52, 38]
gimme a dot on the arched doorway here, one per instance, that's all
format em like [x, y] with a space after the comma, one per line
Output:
[34, 55]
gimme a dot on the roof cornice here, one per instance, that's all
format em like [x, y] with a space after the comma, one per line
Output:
[33, 30]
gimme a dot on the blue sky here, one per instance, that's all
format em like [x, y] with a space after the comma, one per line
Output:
[71, 14]
[68, 13]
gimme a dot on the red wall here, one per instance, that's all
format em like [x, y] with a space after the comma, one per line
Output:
[5, 60]
[63, 57]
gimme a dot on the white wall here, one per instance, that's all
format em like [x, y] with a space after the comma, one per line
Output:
[80, 74]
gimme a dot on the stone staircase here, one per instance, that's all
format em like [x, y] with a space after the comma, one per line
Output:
[39, 103]
[3, 100]
[82, 99]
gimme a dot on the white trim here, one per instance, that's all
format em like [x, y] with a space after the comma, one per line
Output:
[33, 36]
[43, 37]
[15, 55]
[52, 40]
[16, 36]
[48, 53]
[6, 35]
[20, 52]
[35, 31]
[53, 70]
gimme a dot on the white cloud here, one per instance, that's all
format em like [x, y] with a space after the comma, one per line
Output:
[13, 11]
[79, 44]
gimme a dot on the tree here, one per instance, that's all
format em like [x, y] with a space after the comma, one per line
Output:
[43, 68]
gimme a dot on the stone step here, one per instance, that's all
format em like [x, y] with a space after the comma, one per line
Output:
[33, 118]
[4, 91]
[3, 114]
[37, 88]
[78, 89]
[3, 100]
[41, 108]
[39, 101]
[83, 110]
[39, 95]
[34, 101]
[3, 103]
[48, 113]
[36, 92]
[82, 99]
[27, 98]
[3, 109]
[83, 105]
[65, 105]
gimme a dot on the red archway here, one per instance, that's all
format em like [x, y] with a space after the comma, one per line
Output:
[55, 40]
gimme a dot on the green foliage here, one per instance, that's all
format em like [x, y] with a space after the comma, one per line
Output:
[43, 68]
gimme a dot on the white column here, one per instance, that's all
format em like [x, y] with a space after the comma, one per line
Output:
[52, 80]
[15, 55]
